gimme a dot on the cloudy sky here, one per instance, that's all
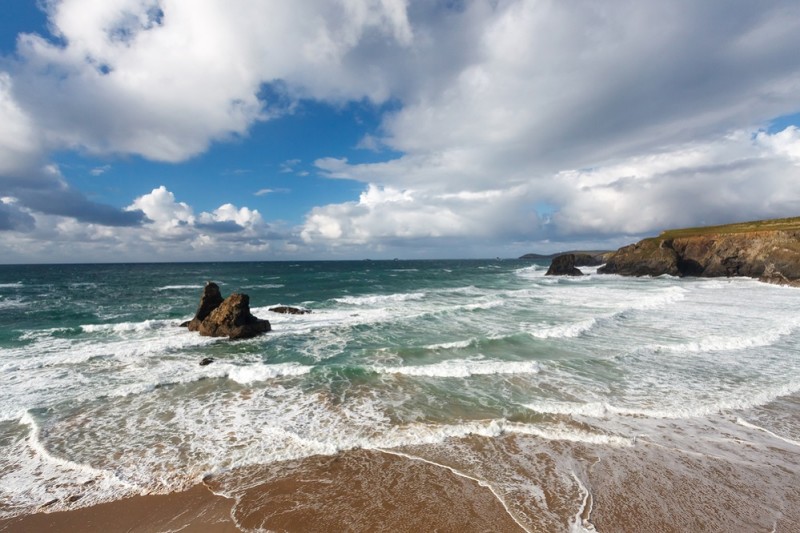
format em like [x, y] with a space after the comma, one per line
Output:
[159, 130]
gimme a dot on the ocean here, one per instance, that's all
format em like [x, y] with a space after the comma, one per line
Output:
[472, 366]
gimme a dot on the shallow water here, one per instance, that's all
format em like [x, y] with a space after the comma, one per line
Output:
[101, 393]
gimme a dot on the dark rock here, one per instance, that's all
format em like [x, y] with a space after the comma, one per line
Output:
[563, 265]
[206, 361]
[289, 310]
[209, 301]
[772, 275]
[650, 257]
[185, 324]
[587, 259]
[232, 319]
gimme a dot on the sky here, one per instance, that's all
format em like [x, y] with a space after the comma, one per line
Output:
[167, 130]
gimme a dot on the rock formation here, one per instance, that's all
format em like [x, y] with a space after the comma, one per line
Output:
[563, 265]
[771, 255]
[230, 317]
[210, 300]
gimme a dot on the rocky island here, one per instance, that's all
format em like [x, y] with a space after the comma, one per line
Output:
[229, 317]
[768, 250]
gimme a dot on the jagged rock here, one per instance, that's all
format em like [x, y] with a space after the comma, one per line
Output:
[232, 319]
[206, 361]
[289, 310]
[209, 301]
[649, 257]
[771, 275]
[563, 265]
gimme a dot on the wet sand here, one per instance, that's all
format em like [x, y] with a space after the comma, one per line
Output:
[711, 475]
[196, 510]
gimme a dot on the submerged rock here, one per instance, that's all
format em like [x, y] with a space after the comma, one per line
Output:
[563, 265]
[233, 319]
[289, 310]
[206, 361]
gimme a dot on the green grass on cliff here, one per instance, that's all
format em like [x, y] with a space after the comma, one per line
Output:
[777, 224]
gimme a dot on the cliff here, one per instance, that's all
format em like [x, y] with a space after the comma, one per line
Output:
[769, 250]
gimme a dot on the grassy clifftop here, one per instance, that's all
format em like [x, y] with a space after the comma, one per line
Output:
[777, 224]
[765, 249]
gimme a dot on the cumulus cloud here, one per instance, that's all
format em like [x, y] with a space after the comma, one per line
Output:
[164, 78]
[738, 177]
[623, 118]
[523, 120]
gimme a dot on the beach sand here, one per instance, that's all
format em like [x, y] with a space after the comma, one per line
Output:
[702, 476]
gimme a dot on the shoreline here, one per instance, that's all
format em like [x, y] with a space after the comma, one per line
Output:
[712, 474]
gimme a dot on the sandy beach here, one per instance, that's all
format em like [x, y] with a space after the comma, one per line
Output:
[710, 475]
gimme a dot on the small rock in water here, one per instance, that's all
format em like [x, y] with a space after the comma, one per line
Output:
[206, 361]
[563, 265]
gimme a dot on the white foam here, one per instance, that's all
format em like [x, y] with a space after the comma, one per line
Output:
[378, 299]
[29, 470]
[569, 330]
[745, 423]
[263, 372]
[177, 287]
[717, 343]
[15, 285]
[675, 407]
[123, 327]
[451, 345]
[12, 304]
[460, 368]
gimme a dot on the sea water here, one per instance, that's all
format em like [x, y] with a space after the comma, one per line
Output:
[102, 395]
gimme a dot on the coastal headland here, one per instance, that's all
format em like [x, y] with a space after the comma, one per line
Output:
[768, 250]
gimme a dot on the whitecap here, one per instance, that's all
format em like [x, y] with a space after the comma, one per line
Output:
[451, 345]
[460, 368]
[377, 299]
[569, 330]
[177, 287]
[263, 372]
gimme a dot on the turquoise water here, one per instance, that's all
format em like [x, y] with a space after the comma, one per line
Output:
[102, 393]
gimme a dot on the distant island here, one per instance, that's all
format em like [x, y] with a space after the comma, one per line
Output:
[582, 257]
[765, 249]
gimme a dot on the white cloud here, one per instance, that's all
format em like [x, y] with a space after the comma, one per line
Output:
[738, 177]
[622, 117]
[785, 143]
[165, 78]
[388, 214]
[169, 218]
[19, 146]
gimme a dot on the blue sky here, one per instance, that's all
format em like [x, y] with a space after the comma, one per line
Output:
[161, 130]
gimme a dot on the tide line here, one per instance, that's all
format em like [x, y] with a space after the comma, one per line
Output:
[745, 423]
[452, 470]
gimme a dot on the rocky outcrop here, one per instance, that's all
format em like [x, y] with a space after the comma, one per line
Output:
[230, 317]
[773, 256]
[210, 300]
[233, 319]
[289, 310]
[563, 265]
[649, 257]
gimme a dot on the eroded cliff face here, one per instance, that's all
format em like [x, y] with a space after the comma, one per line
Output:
[771, 255]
